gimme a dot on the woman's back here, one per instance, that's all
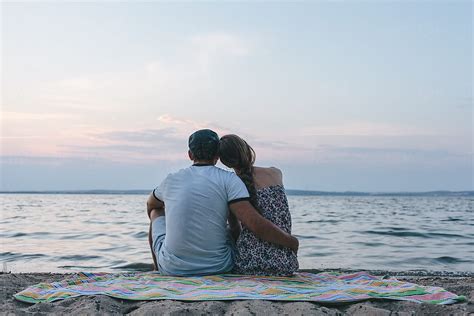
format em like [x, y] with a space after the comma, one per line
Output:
[258, 257]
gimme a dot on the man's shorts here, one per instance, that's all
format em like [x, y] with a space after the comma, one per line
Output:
[158, 233]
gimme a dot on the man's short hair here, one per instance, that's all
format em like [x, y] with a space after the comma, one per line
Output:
[204, 144]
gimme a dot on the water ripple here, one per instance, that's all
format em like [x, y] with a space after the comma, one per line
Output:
[412, 234]
[77, 232]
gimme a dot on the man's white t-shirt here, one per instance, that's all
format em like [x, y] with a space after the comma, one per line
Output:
[197, 202]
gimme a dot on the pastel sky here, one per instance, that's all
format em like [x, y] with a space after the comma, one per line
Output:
[340, 95]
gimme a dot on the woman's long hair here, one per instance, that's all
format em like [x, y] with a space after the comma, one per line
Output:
[235, 153]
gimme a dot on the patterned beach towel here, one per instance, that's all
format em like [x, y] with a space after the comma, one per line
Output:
[327, 287]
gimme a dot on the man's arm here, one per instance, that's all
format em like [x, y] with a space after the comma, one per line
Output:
[261, 227]
[154, 204]
[154, 209]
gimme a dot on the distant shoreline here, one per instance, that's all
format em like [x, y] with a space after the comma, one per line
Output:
[288, 191]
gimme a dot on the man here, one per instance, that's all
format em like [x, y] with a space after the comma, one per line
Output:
[192, 239]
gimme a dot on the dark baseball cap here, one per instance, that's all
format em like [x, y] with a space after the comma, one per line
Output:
[203, 140]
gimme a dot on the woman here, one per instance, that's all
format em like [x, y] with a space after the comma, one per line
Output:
[267, 194]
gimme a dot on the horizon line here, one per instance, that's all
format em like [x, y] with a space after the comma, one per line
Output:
[288, 191]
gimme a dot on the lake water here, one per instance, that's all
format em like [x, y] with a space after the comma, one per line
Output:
[67, 233]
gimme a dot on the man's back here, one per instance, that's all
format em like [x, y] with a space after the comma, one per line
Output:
[196, 205]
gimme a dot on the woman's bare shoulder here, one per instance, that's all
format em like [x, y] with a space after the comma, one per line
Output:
[267, 170]
[268, 176]
[275, 171]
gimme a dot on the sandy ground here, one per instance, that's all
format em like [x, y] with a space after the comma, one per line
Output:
[459, 283]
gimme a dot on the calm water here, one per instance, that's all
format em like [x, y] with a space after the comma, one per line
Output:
[65, 233]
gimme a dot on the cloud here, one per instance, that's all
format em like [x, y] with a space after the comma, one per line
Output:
[185, 126]
[363, 128]
[168, 119]
[212, 47]
[221, 43]
[360, 142]
[200, 53]
[159, 81]
[131, 145]
[362, 149]
[388, 156]
[31, 133]
[126, 153]
[141, 136]
[165, 79]
[73, 173]
[121, 100]
[30, 116]
[169, 142]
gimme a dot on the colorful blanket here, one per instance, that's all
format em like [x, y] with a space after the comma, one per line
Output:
[328, 287]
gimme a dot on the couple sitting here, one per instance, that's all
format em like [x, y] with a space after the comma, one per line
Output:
[205, 220]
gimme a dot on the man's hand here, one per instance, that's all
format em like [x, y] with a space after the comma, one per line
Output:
[234, 226]
[261, 227]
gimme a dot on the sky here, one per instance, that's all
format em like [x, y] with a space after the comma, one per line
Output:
[340, 95]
